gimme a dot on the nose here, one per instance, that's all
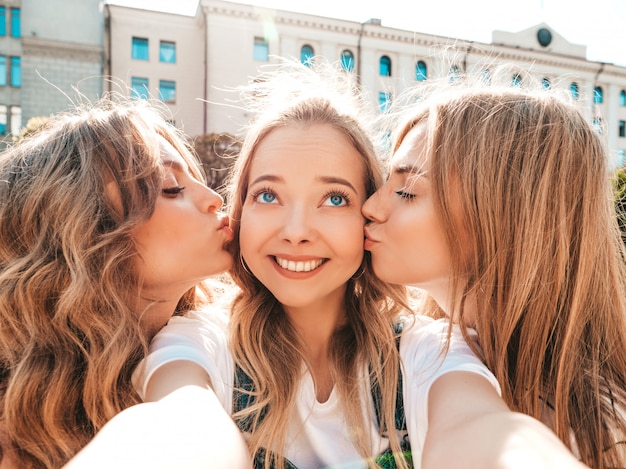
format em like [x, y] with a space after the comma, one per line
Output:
[298, 225]
[372, 208]
[211, 200]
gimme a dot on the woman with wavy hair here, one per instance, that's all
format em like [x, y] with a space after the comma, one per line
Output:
[322, 365]
[106, 230]
[499, 205]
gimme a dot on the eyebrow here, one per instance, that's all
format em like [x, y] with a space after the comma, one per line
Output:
[324, 179]
[175, 165]
[410, 169]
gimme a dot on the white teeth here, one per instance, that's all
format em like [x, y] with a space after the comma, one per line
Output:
[299, 266]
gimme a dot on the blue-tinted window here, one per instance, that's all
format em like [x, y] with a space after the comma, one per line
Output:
[16, 27]
[574, 91]
[347, 60]
[622, 98]
[139, 88]
[167, 52]
[598, 125]
[167, 90]
[3, 70]
[3, 119]
[261, 50]
[3, 21]
[545, 82]
[598, 95]
[421, 72]
[139, 48]
[516, 80]
[306, 55]
[16, 72]
[454, 74]
[384, 101]
[485, 76]
[622, 129]
[385, 66]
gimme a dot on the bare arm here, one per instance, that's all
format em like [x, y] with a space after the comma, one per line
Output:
[186, 429]
[470, 426]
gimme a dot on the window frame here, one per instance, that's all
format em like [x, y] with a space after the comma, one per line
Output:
[137, 47]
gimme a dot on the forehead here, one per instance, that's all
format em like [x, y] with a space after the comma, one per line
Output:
[412, 150]
[321, 148]
[168, 153]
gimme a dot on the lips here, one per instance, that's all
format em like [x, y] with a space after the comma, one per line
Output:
[299, 266]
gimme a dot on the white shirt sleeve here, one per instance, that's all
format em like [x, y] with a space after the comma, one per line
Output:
[425, 359]
[200, 337]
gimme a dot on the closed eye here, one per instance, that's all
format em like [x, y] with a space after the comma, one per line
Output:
[405, 195]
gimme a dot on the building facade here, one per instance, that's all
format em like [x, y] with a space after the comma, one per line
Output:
[194, 62]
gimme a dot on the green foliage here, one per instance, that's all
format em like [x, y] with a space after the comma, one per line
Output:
[32, 126]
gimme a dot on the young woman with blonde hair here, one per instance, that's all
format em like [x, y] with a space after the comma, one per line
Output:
[499, 205]
[106, 229]
[321, 365]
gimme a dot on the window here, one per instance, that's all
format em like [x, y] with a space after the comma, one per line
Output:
[598, 95]
[622, 129]
[621, 156]
[598, 125]
[421, 72]
[3, 21]
[545, 82]
[139, 48]
[622, 98]
[385, 66]
[16, 72]
[167, 90]
[347, 60]
[454, 74]
[3, 70]
[3, 119]
[139, 88]
[16, 29]
[261, 50]
[167, 52]
[16, 120]
[384, 101]
[574, 91]
[485, 76]
[516, 81]
[306, 55]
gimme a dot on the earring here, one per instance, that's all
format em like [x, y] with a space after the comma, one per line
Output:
[244, 265]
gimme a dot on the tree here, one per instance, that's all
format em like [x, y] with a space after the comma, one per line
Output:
[217, 152]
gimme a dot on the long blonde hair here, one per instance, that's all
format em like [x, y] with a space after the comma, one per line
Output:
[525, 177]
[69, 339]
[265, 344]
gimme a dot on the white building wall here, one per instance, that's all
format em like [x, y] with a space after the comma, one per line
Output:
[188, 72]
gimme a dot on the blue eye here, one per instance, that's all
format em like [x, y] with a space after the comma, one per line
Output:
[336, 199]
[268, 198]
[264, 196]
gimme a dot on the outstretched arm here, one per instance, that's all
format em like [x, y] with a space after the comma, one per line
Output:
[188, 428]
[470, 426]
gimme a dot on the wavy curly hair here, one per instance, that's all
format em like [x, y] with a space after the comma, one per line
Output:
[69, 338]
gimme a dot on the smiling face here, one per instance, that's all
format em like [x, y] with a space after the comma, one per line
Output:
[301, 224]
[183, 241]
[405, 236]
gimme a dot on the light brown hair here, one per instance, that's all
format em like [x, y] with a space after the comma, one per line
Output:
[545, 271]
[265, 344]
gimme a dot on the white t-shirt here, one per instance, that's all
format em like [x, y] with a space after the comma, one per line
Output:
[323, 440]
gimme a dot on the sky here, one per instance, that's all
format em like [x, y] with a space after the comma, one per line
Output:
[598, 24]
